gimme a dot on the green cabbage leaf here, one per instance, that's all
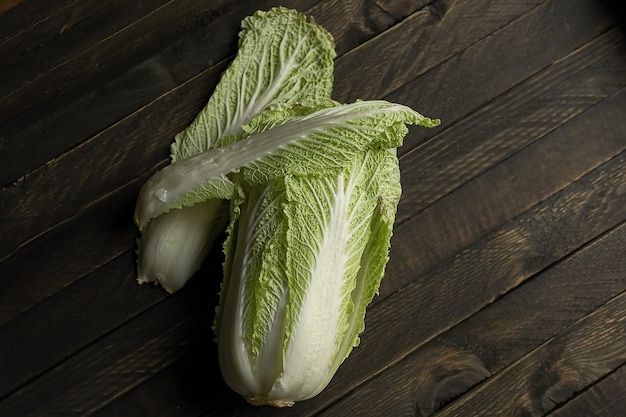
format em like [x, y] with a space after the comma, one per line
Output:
[283, 58]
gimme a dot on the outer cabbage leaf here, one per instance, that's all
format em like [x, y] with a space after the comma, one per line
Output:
[320, 142]
[255, 287]
[173, 246]
[284, 57]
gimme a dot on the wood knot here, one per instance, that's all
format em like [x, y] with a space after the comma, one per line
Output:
[451, 371]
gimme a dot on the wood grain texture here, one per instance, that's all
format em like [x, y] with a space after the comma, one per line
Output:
[64, 34]
[436, 91]
[191, 386]
[131, 43]
[455, 361]
[540, 103]
[506, 277]
[96, 374]
[111, 154]
[606, 398]
[68, 253]
[458, 220]
[16, 19]
[401, 8]
[417, 46]
[352, 23]
[553, 373]
[49, 319]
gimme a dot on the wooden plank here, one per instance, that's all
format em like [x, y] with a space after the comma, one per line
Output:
[552, 374]
[605, 398]
[31, 143]
[69, 252]
[440, 91]
[141, 42]
[100, 372]
[485, 344]
[50, 182]
[54, 127]
[67, 330]
[444, 29]
[506, 256]
[122, 49]
[417, 44]
[401, 9]
[459, 219]
[63, 34]
[185, 389]
[540, 104]
[353, 22]
[83, 176]
[17, 16]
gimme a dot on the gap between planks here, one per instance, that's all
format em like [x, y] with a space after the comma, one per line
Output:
[602, 398]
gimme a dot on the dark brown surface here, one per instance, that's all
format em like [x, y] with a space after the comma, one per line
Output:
[506, 289]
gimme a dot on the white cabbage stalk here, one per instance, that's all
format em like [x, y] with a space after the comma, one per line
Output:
[305, 255]
[283, 58]
[185, 233]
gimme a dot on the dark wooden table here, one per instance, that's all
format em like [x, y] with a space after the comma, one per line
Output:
[505, 292]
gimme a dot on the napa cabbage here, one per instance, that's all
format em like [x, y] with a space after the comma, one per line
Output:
[306, 189]
[305, 256]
